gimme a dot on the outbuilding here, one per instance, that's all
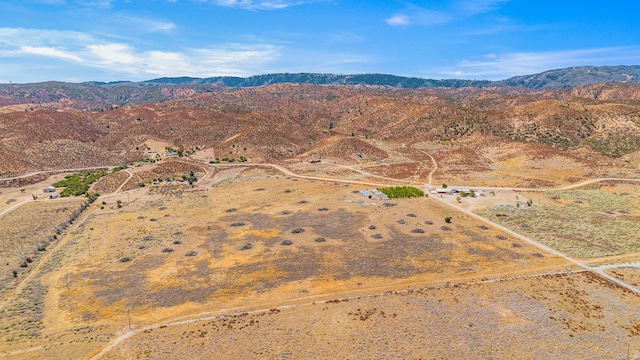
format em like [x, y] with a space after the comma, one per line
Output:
[50, 189]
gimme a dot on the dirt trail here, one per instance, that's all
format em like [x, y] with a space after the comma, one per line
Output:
[435, 167]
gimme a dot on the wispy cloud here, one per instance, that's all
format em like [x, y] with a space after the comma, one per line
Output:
[122, 58]
[501, 66]
[416, 15]
[146, 24]
[475, 7]
[262, 4]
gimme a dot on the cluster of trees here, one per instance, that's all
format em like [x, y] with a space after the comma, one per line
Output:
[401, 192]
[228, 159]
[78, 184]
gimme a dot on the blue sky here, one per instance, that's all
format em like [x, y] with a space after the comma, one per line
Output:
[110, 40]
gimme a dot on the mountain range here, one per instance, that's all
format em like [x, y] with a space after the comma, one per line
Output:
[101, 95]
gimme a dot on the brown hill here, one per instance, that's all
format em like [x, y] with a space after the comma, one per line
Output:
[279, 122]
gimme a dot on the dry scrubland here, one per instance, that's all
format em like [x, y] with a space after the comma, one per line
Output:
[253, 240]
[569, 316]
[586, 223]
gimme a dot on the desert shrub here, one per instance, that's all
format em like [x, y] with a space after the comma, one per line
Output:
[417, 231]
[231, 210]
[125, 259]
[445, 228]
[411, 215]
[167, 250]
[482, 227]
[401, 222]
[428, 222]
[285, 212]
[236, 224]
[286, 242]
[191, 253]
[297, 231]
[15, 273]
[538, 255]
[395, 192]
[323, 209]
[501, 237]
[376, 236]
[447, 219]
[516, 245]
[388, 204]
[372, 227]
[177, 242]
[320, 239]
[247, 246]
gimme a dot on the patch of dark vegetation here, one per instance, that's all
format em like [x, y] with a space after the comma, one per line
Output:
[411, 215]
[236, 224]
[516, 245]
[445, 228]
[401, 222]
[261, 189]
[142, 247]
[246, 246]
[356, 192]
[167, 215]
[319, 240]
[141, 217]
[153, 219]
[177, 242]
[297, 231]
[285, 212]
[428, 222]
[401, 192]
[231, 210]
[302, 202]
[483, 227]
[147, 238]
[376, 236]
[125, 259]
[501, 237]
[191, 253]
[178, 233]
[538, 255]
[389, 204]
[288, 191]
[417, 231]
[162, 208]
[323, 209]
[167, 250]
[372, 227]
[286, 242]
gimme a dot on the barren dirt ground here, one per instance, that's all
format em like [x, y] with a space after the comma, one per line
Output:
[255, 262]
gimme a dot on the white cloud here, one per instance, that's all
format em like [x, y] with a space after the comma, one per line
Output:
[122, 58]
[416, 15]
[262, 4]
[501, 66]
[398, 20]
[50, 52]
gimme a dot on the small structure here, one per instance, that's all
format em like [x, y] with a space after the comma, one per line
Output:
[444, 191]
[359, 155]
[50, 189]
[53, 196]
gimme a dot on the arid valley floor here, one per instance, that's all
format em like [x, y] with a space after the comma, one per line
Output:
[279, 255]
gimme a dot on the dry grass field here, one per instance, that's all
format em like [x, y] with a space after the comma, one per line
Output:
[254, 240]
[571, 316]
[586, 223]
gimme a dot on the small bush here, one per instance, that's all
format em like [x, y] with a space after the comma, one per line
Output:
[15, 273]
[319, 240]
[376, 236]
[428, 222]
[411, 215]
[447, 219]
[247, 246]
[125, 259]
[286, 242]
[177, 242]
[417, 231]
[445, 228]
[297, 231]
[372, 227]
[191, 253]
[167, 250]
[236, 224]
[323, 209]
